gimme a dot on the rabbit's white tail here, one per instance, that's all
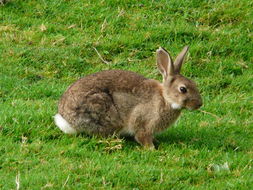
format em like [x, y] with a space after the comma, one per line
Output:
[63, 124]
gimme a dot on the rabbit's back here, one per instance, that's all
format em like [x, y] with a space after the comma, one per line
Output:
[113, 80]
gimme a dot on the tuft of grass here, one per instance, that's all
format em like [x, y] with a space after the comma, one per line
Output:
[47, 45]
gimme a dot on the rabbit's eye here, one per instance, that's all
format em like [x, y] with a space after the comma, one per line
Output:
[183, 89]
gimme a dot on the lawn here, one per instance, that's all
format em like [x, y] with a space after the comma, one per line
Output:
[47, 45]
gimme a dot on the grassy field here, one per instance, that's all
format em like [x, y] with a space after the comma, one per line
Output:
[47, 45]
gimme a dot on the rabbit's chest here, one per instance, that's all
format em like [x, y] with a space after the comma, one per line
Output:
[166, 119]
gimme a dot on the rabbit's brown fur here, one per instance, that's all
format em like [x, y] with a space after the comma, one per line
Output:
[123, 102]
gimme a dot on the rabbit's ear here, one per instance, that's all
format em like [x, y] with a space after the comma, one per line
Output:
[164, 63]
[180, 59]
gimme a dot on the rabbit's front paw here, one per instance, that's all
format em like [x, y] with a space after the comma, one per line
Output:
[145, 139]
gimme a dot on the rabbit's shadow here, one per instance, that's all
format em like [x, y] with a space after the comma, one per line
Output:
[196, 139]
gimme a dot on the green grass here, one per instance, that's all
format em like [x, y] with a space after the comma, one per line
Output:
[47, 45]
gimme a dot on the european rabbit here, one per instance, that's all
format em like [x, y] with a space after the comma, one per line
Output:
[126, 103]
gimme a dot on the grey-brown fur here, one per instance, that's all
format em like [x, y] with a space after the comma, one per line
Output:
[124, 102]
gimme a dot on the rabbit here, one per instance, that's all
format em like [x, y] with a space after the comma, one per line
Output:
[126, 103]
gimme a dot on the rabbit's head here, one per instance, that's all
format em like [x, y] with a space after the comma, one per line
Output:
[178, 91]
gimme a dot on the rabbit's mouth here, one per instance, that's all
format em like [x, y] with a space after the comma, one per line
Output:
[193, 104]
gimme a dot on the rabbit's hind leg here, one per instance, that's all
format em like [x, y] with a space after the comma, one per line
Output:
[98, 115]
